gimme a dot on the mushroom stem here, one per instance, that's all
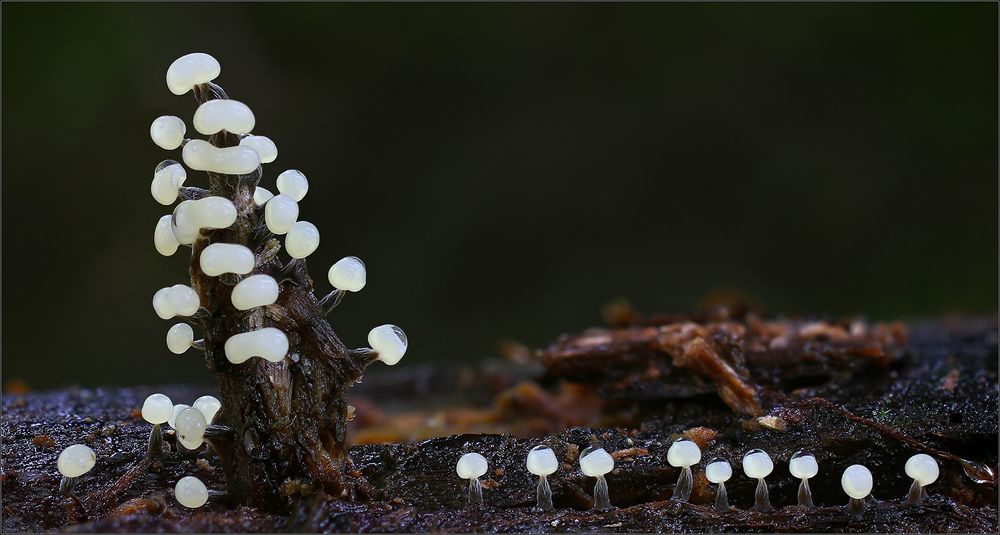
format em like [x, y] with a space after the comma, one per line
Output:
[544, 493]
[331, 300]
[805, 495]
[916, 494]
[762, 503]
[685, 481]
[475, 497]
[199, 344]
[155, 442]
[601, 499]
[856, 507]
[189, 193]
[66, 485]
[721, 499]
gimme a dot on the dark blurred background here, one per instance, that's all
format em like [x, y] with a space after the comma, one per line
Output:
[505, 170]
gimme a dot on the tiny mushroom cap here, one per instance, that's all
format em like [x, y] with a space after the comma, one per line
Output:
[265, 148]
[293, 183]
[757, 464]
[208, 405]
[185, 222]
[596, 462]
[177, 409]
[219, 258]
[280, 213]
[302, 239]
[803, 465]
[179, 338]
[262, 195]
[168, 177]
[201, 155]
[163, 236]
[255, 291]
[214, 212]
[718, 471]
[542, 461]
[683, 453]
[224, 114]
[175, 300]
[389, 342]
[76, 460]
[857, 481]
[167, 132]
[190, 424]
[471, 466]
[190, 70]
[348, 274]
[191, 492]
[157, 409]
[923, 469]
[268, 343]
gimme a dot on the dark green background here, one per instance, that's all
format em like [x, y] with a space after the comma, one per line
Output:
[504, 170]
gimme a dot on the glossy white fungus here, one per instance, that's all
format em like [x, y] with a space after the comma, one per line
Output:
[857, 481]
[302, 239]
[201, 155]
[803, 465]
[683, 453]
[190, 70]
[209, 212]
[220, 258]
[389, 342]
[280, 213]
[172, 422]
[471, 466]
[265, 148]
[596, 462]
[185, 222]
[163, 236]
[261, 196]
[348, 274]
[255, 291]
[191, 492]
[179, 338]
[190, 425]
[542, 461]
[923, 469]
[176, 300]
[167, 132]
[157, 409]
[217, 115]
[268, 343]
[757, 464]
[718, 471]
[76, 460]
[293, 183]
[168, 177]
[208, 405]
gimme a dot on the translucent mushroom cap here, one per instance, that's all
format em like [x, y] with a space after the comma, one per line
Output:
[190, 425]
[757, 464]
[542, 461]
[262, 195]
[164, 239]
[269, 343]
[293, 183]
[255, 291]
[471, 466]
[167, 132]
[191, 492]
[179, 338]
[209, 406]
[803, 465]
[857, 481]
[683, 453]
[265, 148]
[348, 274]
[168, 177]
[596, 462]
[219, 258]
[280, 213]
[302, 239]
[718, 471]
[76, 460]
[389, 342]
[172, 422]
[190, 70]
[230, 115]
[923, 469]
[157, 409]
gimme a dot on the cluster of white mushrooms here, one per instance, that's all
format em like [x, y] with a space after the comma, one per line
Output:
[757, 464]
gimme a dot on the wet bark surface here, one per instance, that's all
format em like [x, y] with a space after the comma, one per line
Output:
[935, 392]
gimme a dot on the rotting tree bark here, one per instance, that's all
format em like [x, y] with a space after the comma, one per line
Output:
[287, 419]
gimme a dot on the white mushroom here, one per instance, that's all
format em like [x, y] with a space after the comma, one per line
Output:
[261, 196]
[595, 462]
[201, 155]
[176, 300]
[209, 406]
[191, 492]
[191, 70]
[217, 115]
[219, 258]
[280, 213]
[472, 466]
[293, 183]
[72, 463]
[255, 291]
[302, 239]
[542, 462]
[167, 132]
[172, 422]
[163, 236]
[924, 470]
[389, 342]
[268, 343]
[168, 177]
[209, 212]
[757, 464]
[804, 466]
[348, 274]
[179, 338]
[190, 425]
[265, 148]
[857, 483]
[683, 454]
[719, 471]
[157, 410]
